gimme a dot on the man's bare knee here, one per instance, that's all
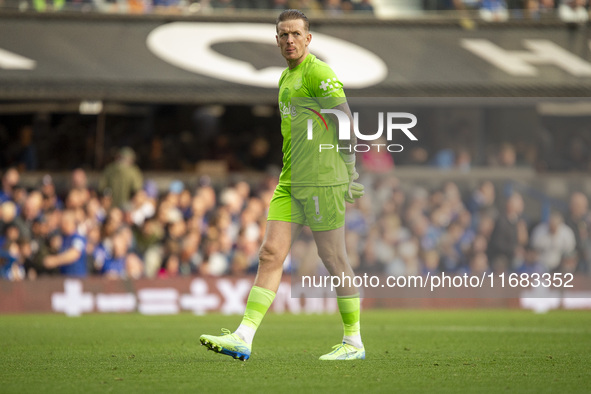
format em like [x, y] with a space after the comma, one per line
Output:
[335, 266]
[327, 254]
[269, 255]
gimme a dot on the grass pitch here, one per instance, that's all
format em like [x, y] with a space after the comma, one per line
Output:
[407, 351]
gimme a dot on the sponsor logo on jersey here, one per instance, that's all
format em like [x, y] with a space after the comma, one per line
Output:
[287, 109]
[330, 86]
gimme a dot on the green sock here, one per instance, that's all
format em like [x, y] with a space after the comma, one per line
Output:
[259, 301]
[350, 306]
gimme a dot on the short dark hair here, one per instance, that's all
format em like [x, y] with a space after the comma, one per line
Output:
[289, 15]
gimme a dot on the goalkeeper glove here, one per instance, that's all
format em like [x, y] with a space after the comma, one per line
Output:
[356, 190]
[351, 171]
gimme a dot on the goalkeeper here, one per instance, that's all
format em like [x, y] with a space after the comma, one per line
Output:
[313, 187]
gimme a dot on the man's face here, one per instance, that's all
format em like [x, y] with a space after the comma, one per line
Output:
[293, 39]
[68, 224]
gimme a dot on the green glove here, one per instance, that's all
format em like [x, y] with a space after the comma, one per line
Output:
[356, 190]
[351, 171]
[353, 175]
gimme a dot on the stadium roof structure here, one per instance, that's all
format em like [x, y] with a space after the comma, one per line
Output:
[234, 60]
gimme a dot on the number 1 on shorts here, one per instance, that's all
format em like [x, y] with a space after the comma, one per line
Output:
[316, 205]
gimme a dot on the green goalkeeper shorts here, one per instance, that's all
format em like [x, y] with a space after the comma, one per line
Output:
[322, 208]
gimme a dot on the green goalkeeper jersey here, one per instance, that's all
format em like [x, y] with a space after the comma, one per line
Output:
[303, 92]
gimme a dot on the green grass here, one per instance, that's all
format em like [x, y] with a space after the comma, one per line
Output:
[407, 351]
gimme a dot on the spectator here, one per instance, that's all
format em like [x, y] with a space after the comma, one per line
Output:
[547, 7]
[463, 160]
[114, 259]
[419, 156]
[142, 207]
[140, 6]
[26, 155]
[530, 263]
[10, 236]
[176, 229]
[494, 11]
[552, 241]
[573, 11]
[50, 198]
[507, 155]
[148, 245]
[425, 232]
[32, 209]
[9, 181]
[8, 214]
[79, 182]
[482, 202]
[71, 258]
[510, 230]
[364, 6]
[10, 268]
[450, 247]
[478, 264]
[430, 262]
[122, 178]
[333, 8]
[482, 199]
[39, 246]
[215, 262]
[577, 157]
[579, 221]
[174, 192]
[444, 159]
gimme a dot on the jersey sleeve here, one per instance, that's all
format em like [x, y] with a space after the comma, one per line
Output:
[323, 83]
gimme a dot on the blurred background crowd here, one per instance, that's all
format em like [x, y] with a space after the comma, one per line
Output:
[125, 226]
[575, 11]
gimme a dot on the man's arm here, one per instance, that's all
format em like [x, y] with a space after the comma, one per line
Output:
[347, 146]
[347, 152]
[64, 258]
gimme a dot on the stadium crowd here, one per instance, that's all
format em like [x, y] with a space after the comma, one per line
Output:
[571, 11]
[329, 7]
[123, 227]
